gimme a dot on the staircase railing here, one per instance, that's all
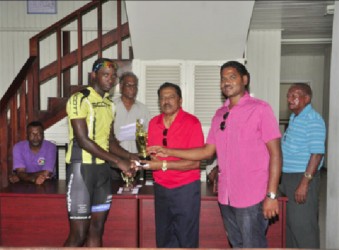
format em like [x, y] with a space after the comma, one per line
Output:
[21, 102]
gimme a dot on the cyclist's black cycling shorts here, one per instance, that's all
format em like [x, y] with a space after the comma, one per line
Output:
[89, 189]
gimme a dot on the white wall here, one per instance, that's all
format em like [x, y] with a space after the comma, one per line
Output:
[263, 60]
[306, 68]
[332, 213]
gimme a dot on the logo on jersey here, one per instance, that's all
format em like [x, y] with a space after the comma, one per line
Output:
[41, 161]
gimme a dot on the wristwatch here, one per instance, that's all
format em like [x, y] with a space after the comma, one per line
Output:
[308, 176]
[164, 165]
[271, 195]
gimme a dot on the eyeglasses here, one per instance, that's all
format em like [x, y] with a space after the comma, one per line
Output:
[164, 140]
[223, 123]
[130, 85]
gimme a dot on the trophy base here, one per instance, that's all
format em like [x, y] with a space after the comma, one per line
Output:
[127, 189]
[130, 190]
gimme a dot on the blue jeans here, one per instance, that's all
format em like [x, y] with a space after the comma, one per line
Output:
[245, 227]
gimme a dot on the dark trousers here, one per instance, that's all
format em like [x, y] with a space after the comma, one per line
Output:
[302, 227]
[177, 214]
[245, 227]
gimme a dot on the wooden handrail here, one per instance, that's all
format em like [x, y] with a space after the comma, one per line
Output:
[63, 22]
[109, 39]
[21, 102]
[16, 84]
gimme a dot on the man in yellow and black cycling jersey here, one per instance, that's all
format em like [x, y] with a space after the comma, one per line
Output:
[92, 148]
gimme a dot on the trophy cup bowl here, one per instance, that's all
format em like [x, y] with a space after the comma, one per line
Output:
[141, 140]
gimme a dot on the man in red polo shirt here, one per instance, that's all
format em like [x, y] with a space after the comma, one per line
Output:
[177, 181]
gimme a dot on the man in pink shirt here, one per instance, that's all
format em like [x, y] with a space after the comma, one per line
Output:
[245, 135]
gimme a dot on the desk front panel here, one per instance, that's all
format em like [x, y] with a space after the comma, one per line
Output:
[121, 229]
[212, 233]
[33, 216]
[33, 221]
[28, 221]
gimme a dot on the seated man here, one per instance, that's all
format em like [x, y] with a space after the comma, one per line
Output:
[33, 159]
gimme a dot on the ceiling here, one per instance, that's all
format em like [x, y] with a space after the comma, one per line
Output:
[305, 25]
[215, 30]
[189, 30]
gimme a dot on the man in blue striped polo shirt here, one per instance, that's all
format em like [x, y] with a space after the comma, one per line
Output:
[303, 147]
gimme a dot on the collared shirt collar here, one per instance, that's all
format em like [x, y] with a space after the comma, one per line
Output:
[97, 94]
[303, 112]
[243, 99]
[178, 118]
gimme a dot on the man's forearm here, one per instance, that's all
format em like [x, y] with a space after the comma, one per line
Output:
[182, 165]
[117, 150]
[274, 176]
[194, 154]
[312, 168]
[313, 163]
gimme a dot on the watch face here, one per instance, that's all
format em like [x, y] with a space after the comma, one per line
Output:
[271, 195]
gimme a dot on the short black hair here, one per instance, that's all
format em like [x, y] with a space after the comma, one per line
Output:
[240, 68]
[170, 85]
[35, 124]
[304, 87]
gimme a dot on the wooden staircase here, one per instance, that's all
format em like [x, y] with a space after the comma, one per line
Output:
[21, 102]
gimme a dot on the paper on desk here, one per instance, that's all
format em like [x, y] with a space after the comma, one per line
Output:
[135, 190]
[149, 183]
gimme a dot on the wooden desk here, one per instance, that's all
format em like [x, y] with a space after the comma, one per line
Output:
[33, 215]
[36, 216]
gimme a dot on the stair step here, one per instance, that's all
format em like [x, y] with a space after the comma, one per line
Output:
[55, 103]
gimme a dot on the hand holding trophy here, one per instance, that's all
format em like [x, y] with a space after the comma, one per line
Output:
[141, 141]
[128, 175]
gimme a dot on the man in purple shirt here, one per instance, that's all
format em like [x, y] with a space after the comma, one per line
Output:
[33, 159]
[245, 135]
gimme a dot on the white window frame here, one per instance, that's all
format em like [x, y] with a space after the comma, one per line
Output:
[187, 79]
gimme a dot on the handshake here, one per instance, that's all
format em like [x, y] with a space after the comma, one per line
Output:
[141, 165]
